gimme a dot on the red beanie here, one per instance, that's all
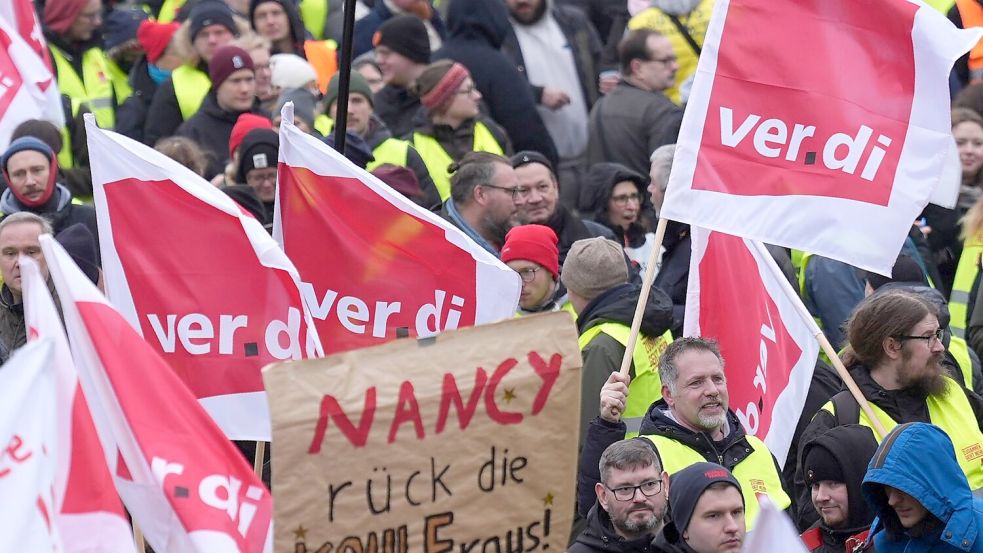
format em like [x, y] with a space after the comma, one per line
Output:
[154, 38]
[245, 123]
[226, 61]
[60, 14]
[536, 243]
[443, 92]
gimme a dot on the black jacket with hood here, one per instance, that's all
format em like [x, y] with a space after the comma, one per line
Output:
[210, 127]
[595, 196]
[476, 31]
[599, 536]
[132, 115]
[298, 34]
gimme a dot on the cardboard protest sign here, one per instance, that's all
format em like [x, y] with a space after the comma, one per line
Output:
[418, 445]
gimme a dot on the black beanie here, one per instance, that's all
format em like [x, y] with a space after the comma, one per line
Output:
[687, 486]
[820, 464]
[905, 269]
[406, 35]
[258, 151]
[211, 12]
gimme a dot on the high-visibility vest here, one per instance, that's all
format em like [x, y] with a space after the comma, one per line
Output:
[66, 158]
[314, 14]
[960, 352]
[94, 87]
[646, 385]
[966, 271]
[168, 10]
[323, 57]
[191, 85]
[120, 80]
[437, 160]
[971, 14]
[696, 22]
[323, 124]
[756, 473]
[392, 151]
[952, 413]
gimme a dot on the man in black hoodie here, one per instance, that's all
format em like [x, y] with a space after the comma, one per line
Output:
[476, 31]
[834, 465]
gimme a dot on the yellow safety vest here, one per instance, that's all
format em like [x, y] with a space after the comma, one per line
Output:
[323, 124]
[438, 160]
[756, 473]
[646, 385]
[65, 156]
[120, 80]
[314, 14]
[695, 22]
[966, 271]
[392, 151]
[952, 413]
[960, 352]
[168, 10]
[191, 85]
[94, 88]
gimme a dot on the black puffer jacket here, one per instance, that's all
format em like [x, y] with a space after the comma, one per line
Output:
[132, 115]
[476, 31]
[599, 536]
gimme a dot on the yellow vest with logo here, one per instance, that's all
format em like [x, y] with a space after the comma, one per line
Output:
[120, 80]
[94, 87]
[438, 160]
[191, 85]
[966, 271]
[314, 14]
[696, 22]
[756, 473]
[952, 413]
[646, 385]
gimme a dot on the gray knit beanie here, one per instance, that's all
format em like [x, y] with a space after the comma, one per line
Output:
[594, 265]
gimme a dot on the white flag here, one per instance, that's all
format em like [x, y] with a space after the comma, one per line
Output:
[774, 532]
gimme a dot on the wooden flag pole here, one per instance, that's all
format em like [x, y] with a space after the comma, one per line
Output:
[258, 459]
[636, 321]
[138, 537]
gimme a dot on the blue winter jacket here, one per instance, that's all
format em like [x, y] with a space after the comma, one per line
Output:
[918, 459]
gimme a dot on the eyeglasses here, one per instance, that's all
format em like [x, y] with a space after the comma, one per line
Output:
[625, 198]
[515, 191]
[528, 274]
[627, 493]
[467, 91]
[256, 179]
[932, 338]
[666, 60]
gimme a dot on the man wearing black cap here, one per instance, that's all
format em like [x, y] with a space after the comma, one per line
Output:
[542, 206]
[706, 507]
[631, 501]
[402, 50]
[210, 26]
[834, 464]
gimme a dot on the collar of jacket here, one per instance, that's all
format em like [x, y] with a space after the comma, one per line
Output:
[728, 452]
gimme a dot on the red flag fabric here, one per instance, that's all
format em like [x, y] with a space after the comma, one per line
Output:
[184, 483]
[21, 15]
[87, 510]
[198, 277]
[835, 144]
[738, 296]
[375, 265]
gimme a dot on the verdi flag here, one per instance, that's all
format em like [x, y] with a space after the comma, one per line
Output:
[185, 484]
[835, 144]
[198, 277]
[737, 296]
[376, 266]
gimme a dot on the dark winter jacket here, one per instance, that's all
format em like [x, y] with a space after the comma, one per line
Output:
[597, 193]
[600, 537]
[211, 127]
[59, 210]
[165, 113]
[13, 329]
[476, 31]
[673, 277]
[610, 18]
[368, 25]
[583, 42]
[132, 115]
[629, 123]
[569, 228]
[378, 133]
[398, 109]
[603, 355]
[298, 33]
[955, 518]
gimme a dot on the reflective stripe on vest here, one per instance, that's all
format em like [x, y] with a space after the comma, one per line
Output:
[392, 151]
[168, 11]
[971, 14]
[756, 473]
[120, 80]
[695, 21]
[66, 158]
[960, 352]
[966, 271]
[93, 88]
[952, 413]
[190, 88]
[646, 386]
[314, 14]
[437, 160]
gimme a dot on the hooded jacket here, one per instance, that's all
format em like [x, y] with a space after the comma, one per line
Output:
[599, 536]
[476, 31]
[595, 197]
[852, 446]
[297, 32]
[954, 518]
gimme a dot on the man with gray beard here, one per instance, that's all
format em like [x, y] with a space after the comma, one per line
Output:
[690, 424]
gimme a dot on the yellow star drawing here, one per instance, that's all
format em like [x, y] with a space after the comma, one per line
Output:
[508, 395]
[548, 500]
[300, 533]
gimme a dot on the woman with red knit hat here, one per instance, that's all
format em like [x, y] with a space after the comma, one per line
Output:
[454, 125]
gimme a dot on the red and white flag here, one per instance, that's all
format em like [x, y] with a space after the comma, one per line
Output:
[198, 277]
[27, 85]
[738, 296]
[87, 510]
[773, 531]
[835, 144]
[184, 483]
[27, 462]
[375, 265]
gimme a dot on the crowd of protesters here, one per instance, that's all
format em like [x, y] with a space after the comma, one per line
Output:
[545, 131]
